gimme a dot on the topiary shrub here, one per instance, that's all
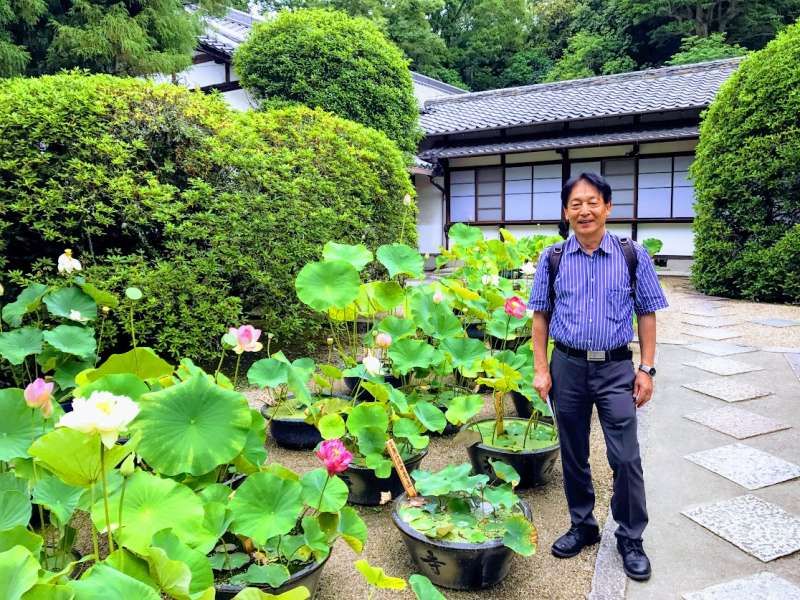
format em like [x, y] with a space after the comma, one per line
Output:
[209, 211]
[329, 60]
[747, 179]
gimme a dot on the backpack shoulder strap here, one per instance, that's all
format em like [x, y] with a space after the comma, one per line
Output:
[553, 262]
[632, 260]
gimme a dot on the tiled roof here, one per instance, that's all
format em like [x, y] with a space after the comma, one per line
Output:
[652, 90]
[569, 141]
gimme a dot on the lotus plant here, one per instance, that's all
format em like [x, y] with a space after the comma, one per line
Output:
[39, 394]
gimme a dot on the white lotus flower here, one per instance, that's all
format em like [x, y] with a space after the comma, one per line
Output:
[67, 264]
[75, 315]
[372, 365]
[102, 413]
[438, 296]
[528, 268]
[490, 280]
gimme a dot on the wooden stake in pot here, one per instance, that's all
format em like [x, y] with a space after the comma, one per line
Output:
[400, 467]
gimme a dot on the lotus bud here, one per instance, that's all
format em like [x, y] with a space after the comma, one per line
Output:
[383, 340]
[407, 200]
[128, 466]
[106, 309]
[438, 296]
[67, 264]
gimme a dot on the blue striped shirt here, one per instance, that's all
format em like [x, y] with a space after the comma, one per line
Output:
[594, 305]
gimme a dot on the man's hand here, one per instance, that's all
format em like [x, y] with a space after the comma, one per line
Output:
[642, 389]
[542, 383]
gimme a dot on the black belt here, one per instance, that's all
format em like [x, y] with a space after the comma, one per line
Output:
[621, 353]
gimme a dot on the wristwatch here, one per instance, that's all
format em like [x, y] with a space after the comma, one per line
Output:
[648, 369]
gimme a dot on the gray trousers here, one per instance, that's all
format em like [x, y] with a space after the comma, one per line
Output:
[577, 385]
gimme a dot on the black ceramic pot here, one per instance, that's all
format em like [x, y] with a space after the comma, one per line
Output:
[365, 487]
[66, 406]
[497, 344]
[534, 466]
[292, 432]
[458, 566]
[475, 332]
[307, 576]
[524, 408]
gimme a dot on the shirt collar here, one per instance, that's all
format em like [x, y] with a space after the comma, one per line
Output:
[606, 244]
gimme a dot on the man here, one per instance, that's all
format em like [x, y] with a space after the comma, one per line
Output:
[587, 310]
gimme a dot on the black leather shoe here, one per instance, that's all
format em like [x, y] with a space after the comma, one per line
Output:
[576, 539]
[634, 560]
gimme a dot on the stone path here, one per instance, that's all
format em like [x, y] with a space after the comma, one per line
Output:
[721, 447]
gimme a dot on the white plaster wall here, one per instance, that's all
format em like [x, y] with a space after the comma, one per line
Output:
[202, 74]
[430, 219]
[619, 229]
[239, 100]
[600, 152]
[531, 230]
[475, 161]
[677, 237]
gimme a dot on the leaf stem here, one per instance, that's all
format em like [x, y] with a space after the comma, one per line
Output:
[94, 529]
[236, 370]
[322, 493]
[105, 497]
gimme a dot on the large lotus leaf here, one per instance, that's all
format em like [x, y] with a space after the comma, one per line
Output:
[254, 454]
[357, 255]
[464, 235]
[367, 414]
[322, 285]
[15, 509]
[249, 593]
[410, 430]
[400, 259]
[315, 538]
[453, 478]
[520, 535]
[103, 582]
[409, 354]
[319, 491]
[423, 588]
[268, 373]
[500, 376]
[387, 294]
[67, 371]
[465, 354]
[122, 384]
[512, 359]
[28, 300]
[182, 572]
[71, 303]
[435, 319]
[192, 427]
[72, 339]
[461, 409]
[331, 427]
[150, 505]
[59, 498]
[49, 591]
[352, 528]
[16, 344]
[20, 536]
[274, 575]
[130, 564]
[265, 506]
[13, 480]
[376, 577]
[430, 416]
[396, 327]
[506, 327]
[142, 362]
[74, 456]
[19, 424]
[19, 571]
[300, 372]
[101, 297]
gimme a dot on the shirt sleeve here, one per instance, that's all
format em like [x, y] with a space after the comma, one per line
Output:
[649, 295]
[540, 297]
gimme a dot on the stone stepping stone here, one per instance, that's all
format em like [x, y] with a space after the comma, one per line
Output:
[704, 312]
[710, 321]
[727, 389]
[723, 366]
[710, 333]
[758, 527]
[750, 467]
[794, 362]
[720, 348]
[671, 341]
[736, 422]
[761, 586]
[782, 349]
[776, 322]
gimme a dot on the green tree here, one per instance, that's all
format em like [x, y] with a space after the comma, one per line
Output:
[132, 38]
[696, 49]
[589, 54]
[329, 60]
[747, 179]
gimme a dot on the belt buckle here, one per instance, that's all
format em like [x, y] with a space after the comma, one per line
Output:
[596, 355]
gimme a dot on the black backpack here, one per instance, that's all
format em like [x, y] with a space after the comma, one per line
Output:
[557, 252]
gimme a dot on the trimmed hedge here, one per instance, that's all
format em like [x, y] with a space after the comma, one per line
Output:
[209, 211]
[747, 180]
[329, 60]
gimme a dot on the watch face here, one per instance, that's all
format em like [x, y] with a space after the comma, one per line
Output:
[652, 371]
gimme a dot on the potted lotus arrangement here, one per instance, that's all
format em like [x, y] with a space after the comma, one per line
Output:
[282, 526]
[462, 530]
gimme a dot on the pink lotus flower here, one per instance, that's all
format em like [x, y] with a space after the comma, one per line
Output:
[438, 296]
[246, 339]
[515, 307]
[334, 456]
[39, 394]
[383, 340]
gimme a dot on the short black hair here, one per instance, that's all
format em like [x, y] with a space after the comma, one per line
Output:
[595, 180]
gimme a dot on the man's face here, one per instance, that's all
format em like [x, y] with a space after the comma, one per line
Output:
[586, 211]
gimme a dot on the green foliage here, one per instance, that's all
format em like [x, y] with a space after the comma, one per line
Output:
[329, 60]
[209, 213]
[695, 49]
[747, 180]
